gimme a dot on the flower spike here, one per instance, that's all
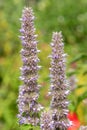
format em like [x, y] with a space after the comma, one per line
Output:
[29, 92]
[59, 86]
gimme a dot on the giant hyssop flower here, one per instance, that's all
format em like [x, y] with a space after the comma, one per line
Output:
[29, 92]
[59, 85]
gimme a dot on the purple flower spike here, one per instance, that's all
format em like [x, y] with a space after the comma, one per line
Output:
[29, 92]
[59, 85]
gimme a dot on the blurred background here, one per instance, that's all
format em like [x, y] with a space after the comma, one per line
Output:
[68, 16]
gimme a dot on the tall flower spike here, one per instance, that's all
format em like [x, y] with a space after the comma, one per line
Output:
[59, 86]
[29, 91]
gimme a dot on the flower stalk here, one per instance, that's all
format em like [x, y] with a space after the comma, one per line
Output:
[59, 85]
[28, 105]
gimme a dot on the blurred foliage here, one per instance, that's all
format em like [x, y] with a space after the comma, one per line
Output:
[51, 15]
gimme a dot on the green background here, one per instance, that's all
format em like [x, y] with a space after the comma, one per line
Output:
[68, 16]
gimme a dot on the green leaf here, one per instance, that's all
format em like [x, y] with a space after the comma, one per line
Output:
[79, 57]
[82, 97]
[81, 86]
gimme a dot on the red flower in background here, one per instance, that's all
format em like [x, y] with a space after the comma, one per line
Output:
[75, 121]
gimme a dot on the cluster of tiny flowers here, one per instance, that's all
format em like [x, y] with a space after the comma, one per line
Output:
[29, 91]
[46, 122]
[59, 85]
[83, 128]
